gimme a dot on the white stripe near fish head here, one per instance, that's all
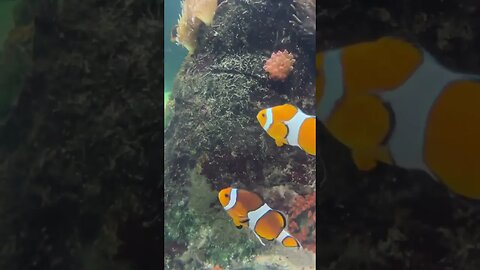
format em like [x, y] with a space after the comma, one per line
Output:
[233, 199]
[269, 120]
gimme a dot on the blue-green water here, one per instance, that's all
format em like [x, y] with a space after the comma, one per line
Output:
[174, 54]
[8, 71]
[6, 19]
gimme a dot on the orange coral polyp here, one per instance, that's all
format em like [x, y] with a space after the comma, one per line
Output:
[279, 65]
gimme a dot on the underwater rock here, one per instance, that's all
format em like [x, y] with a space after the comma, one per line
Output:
[218, 93]
[80, 185]
[448, 29]
[285, 259]
[391, 218]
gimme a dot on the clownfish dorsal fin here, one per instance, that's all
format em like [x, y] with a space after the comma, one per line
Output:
[285, 112]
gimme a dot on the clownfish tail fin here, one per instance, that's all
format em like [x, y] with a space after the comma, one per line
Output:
[288, 240]
[291, 241]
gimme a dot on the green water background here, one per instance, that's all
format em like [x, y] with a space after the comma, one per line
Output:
[6, 24]
[6, 19]
[173, 53]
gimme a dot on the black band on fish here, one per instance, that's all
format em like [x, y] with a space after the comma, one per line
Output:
[392, 121]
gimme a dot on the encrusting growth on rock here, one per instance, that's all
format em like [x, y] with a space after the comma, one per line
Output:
[279, 65]
[194, 12]
[303, 218]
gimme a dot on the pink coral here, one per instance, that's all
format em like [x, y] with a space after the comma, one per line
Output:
[302, 216]
[279, 65]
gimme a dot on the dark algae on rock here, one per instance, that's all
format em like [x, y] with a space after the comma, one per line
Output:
[80, 184]
[214, 135]
[391, 218]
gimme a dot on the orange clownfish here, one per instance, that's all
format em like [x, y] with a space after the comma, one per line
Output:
[389, 100]
[248, 209]
[287, 124]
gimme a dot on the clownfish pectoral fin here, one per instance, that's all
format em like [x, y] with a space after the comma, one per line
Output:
[240, 222]
[363, 160]
[279, 132]
[245, 220]
[383, 155]
[366, 160]
[279, 143]
[237, 223]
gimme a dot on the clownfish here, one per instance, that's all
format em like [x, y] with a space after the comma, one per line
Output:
[287, 124]
[390, 101]
[248, 209]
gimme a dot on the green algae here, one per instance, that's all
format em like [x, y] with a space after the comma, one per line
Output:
[201, 222]
[167, 109]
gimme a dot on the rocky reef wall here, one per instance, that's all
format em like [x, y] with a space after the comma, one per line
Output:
[80, 180]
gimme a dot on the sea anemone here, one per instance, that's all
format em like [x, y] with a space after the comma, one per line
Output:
[194, 12]
[279, 65]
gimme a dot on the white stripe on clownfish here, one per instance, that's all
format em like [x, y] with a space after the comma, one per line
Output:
[423, 87]
[233, 199]
[249, 209]
[254, 216]
[269, 119]
[294, 125]
[410, 102]
[333, 84]
[284, 234]
[411, 121]
[257, 214]
[288, 125]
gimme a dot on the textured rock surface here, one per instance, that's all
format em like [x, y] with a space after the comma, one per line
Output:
[391, 218]
[80, 180]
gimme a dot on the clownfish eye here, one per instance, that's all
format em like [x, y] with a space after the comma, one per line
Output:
[263, 115]
[226, 195]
